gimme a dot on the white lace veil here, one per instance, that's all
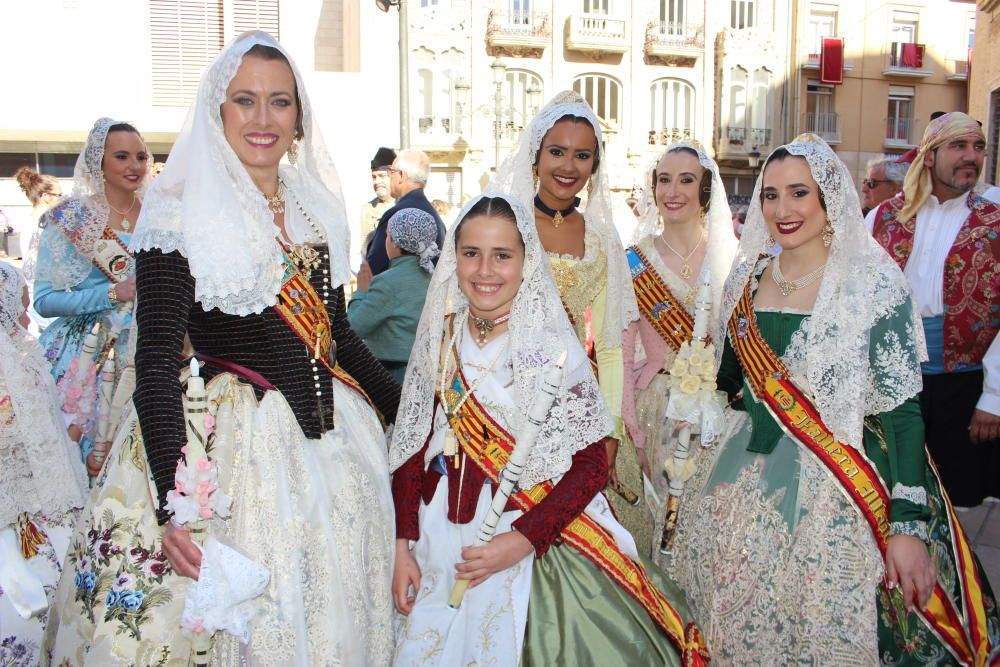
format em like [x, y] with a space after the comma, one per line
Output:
[204, 204]
[539, 332]
[718, 219]
[63, 264]
[833, 356]
[42, 471]
[514, 177]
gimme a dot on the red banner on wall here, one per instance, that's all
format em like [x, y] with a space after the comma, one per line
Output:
[831, 61]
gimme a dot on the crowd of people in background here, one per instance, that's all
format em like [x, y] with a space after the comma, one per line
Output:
[743, 436]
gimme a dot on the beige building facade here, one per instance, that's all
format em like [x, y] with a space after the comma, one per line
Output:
[903, 60]
[653, 70]
[984, 83]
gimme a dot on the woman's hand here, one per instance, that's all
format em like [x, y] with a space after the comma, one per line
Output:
[501, 553]
[95, 460]
[405, 574]
[647, 470]
[74, 432]
[183, 554]
[364, 277]
[125, 290]
[908, 564]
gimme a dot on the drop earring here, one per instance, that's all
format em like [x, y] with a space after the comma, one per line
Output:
[827, 234]
[534, 176]
[293, 152]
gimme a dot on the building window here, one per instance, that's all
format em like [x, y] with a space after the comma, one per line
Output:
[186, 35]
[515, 91]
[899, 125]
[972, 30]
[425, 87]
[672, 111]
[597, 7]
[821, 118]
[424, 4]
[822, 23]
[11, 162]
[759, 127]
[672, 17]
[741, 14]
[738, 80]
[903, 29]
[603, 94]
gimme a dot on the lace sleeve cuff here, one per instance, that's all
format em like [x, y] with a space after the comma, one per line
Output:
[916, 529]
[915, 494]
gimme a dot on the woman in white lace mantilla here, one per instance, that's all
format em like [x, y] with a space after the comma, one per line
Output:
[84, 274]
[561, 582]
[245, 257]
[776, 549]
[684, 229]
[558, 156]
[43, 485]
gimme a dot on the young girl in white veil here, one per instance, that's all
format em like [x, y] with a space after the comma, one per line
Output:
[561, 582]
[819, 530]
[246, 258]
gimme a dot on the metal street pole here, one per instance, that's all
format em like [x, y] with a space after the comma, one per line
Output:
[404, 77]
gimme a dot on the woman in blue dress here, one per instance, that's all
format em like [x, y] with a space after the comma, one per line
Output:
[85, 275]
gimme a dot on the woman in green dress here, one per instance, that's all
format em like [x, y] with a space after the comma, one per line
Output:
[820, 530]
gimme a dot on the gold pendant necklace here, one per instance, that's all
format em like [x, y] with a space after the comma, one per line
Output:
[484, 326]
[685, 266]
[276, 202]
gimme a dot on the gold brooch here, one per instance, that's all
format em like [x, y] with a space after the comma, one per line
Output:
[305, 257]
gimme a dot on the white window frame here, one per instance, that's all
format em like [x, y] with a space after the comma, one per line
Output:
[904, 27]
[673, 104]
[600, 7]
[604, 94]
[515, 91]
[822, 23]
[900, 129]
[673, 17]
[739, 93]
[742, 13]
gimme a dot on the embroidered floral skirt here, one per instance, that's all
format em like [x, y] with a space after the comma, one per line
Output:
[776, 562]
[316, 513]
[21, 638]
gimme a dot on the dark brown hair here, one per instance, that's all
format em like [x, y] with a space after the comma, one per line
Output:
[265, 52]
[778, 155]
[704, 188]
[575, 119]
[490, 207]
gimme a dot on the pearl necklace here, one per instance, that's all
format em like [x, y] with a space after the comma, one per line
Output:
[789, 286]
[450, 439]
[314, 356]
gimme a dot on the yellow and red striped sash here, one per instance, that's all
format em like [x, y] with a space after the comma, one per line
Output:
[489, 446]
[657, 303]
[302, 309]
[963, 632]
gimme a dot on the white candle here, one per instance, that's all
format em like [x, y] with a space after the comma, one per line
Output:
[196, 409]
[703, 306]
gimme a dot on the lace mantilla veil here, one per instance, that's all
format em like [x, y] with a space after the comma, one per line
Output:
[514, 177]
[42, 472]
[205, 205]
[63, 265]
[832, 356]
[539, 332]
[718, 221]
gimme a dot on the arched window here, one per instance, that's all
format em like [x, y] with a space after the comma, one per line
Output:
[515, 91]
[738, 81]
[672, 110]
[425, 83]
[758, 109]
[604, 95]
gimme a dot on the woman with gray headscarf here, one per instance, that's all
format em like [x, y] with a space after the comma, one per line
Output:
[386, 309]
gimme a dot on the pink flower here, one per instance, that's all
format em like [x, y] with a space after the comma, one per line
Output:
[204, 465]
[209, 424]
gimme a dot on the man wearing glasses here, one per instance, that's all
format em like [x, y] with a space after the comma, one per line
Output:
[884, 180]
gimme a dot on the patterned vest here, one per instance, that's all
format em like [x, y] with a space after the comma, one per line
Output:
[971, 275]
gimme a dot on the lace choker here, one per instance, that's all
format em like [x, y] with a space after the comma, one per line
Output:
[557, 216]
[485, 326]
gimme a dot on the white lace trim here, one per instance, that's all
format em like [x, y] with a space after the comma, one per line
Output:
[205, 205]
[514, 177]
[42, 471]
[539, 332]
[916, 529]
[915, 494]
[851, 375]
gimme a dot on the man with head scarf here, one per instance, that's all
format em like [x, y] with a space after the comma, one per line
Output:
[946, 238]
[372, 210]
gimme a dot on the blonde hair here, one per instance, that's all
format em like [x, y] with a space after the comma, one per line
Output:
[35, 185]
